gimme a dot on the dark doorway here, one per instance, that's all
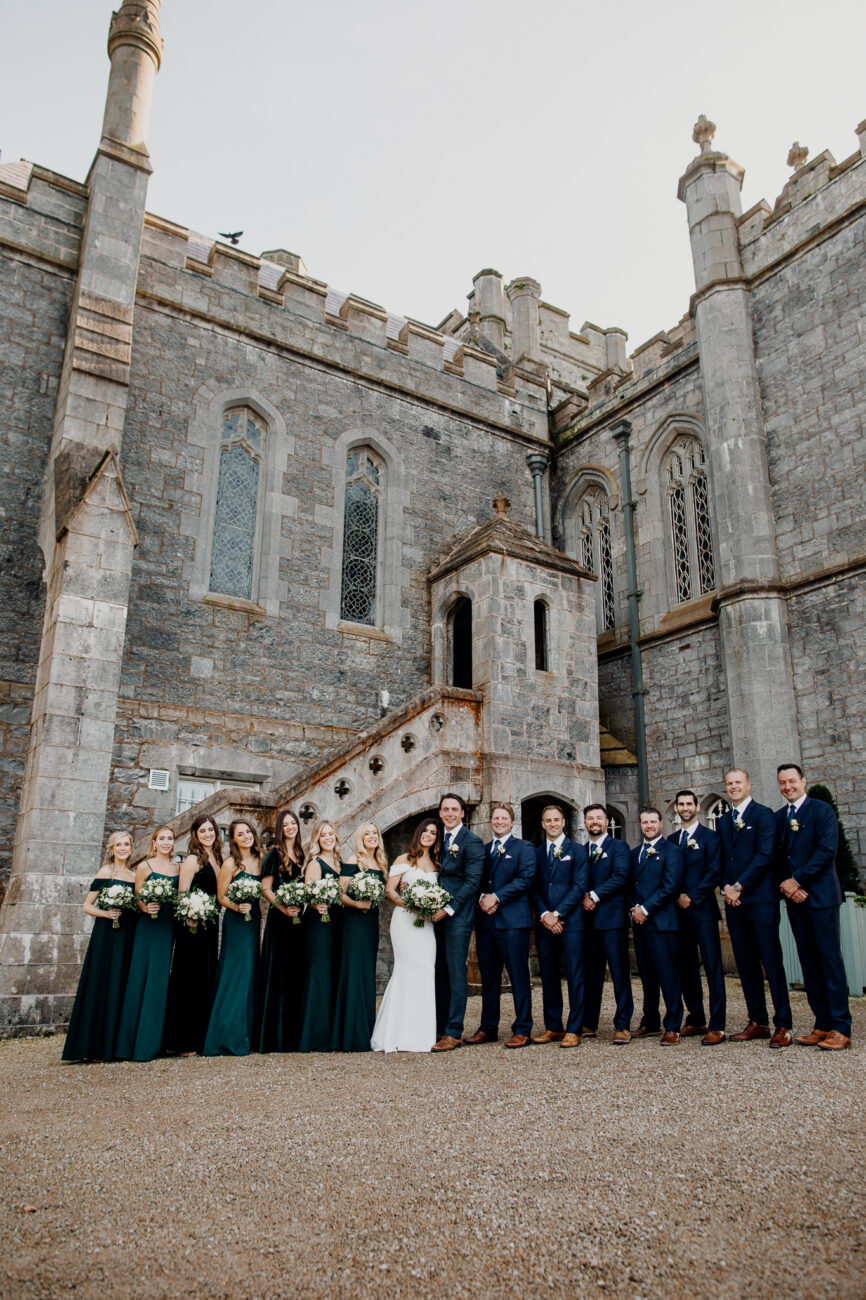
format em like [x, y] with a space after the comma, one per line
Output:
[530, 816]
[461, 644]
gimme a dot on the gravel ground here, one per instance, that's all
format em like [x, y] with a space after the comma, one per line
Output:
[630, 1172]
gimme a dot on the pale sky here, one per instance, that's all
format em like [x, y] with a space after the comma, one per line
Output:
[400, 146]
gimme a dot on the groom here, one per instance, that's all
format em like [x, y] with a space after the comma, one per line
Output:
[459, 873]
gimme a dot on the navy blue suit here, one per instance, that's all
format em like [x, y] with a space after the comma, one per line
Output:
[606, 934]
[655, 883]
[748, 857]
[559, 886]
[699, 926]
[460, 874]
[502, 939]
[809, 856]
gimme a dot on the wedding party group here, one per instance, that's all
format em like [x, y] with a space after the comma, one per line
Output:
[161, 976]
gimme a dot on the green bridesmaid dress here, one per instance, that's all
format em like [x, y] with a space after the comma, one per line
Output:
[192, 976]
[96, 1013]
[281, 971]
[320, 976]
[142, 1016]
[230, 1028]
[355, 1006]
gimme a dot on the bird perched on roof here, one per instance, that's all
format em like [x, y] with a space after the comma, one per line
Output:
[233, 238]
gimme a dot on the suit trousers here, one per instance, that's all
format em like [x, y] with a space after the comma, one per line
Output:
[656, 954]
[754, 932]
[604, 948]
[701, 936]
[558, 953]
[816, 931]
[509, 949]
[452, 985]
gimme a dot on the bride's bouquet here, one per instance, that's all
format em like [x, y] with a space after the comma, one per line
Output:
[196, 908]
[367, 887]
[292, 893]
[425, 899]
[113, 897]
[156, 889]
[327, 891]
[244, 889]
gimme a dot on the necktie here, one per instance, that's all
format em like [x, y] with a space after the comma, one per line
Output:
[550, 847]
[684, 835]
[447, 841]
[792, 812]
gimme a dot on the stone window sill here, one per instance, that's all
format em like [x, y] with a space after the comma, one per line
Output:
[234, 602]
[363, 629]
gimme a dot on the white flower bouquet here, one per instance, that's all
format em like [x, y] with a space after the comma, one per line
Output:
[367, 887]
[292, 893]
[196, 908]
[156, 889]
[113, 897]
[244, 889]
[327, 891]
[425, 899]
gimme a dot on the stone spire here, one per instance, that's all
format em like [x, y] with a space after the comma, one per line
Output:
[135, 50]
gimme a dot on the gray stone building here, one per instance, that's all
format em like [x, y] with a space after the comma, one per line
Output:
[250, 553]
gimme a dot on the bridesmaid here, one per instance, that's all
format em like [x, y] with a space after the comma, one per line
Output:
[355, 1010]
[281, 971]
[142, 1016]
[95, 1015]
[195, 954]
[323, 943]
[230, 1028]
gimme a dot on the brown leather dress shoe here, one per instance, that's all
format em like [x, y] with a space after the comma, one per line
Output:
[835, 1042]
[812, 1040]
[480, 1037]
[643, 1032]
[570, 1040]
[712, 1037]
[621, 1036]
[519, 1040]
[446, 1044]
[782, 1037]
[588, 1033]
[692, 1031]
[752, 1030]
[549, 1036]
[669, 1039]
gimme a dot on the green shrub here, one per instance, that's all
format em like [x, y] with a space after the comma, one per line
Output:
[846, 867]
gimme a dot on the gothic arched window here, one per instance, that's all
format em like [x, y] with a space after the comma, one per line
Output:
[716, 812]
[685, 480]
[596, 554]
[360, 570]
[234, 529]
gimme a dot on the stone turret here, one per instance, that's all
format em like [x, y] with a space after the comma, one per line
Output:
[489, 303]
[524, 294]
[752, 615]
[135, 50]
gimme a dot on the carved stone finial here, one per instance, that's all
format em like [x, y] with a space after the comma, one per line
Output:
[501, 504]
[136, 22]
[797, 154]
[704, 132]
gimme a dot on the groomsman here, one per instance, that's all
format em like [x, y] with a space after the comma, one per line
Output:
[605, 907]
[656, 872]
[459, 873]
[807, 835]
[561, 878]
[748, 835]
[699, 919]
[502, 929]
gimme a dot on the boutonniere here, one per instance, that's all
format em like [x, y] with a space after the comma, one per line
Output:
[557, 853]
[739, 823]
[651, 852]
[692, 844]
[453, 851]
[794, 824]
[500, 849]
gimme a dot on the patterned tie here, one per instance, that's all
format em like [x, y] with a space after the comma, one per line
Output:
[551, 845]
[792, 812]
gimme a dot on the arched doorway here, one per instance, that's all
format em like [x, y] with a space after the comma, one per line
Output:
[530, 816]
[461, 643]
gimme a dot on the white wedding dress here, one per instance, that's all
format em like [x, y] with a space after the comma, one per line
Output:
[407, 1015]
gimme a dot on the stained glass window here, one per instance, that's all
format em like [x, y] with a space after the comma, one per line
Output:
[364, 474]
[234, 532]
[691, 533]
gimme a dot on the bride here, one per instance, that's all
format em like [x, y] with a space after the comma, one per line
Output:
[407, 1015]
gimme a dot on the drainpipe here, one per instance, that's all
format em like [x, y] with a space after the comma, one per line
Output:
[621, 431]
[537, 462]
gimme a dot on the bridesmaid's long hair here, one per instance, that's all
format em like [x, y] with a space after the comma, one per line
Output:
[234, 848]
[108, 857]
[314, 848]
[197, 849]
[286, 864]
[368, 861]
[416, 848]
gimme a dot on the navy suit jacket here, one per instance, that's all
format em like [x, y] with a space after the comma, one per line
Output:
[509, 876]
[460, 873]
[809, 854]
[748, 856]
[561, 884]
[608, 878]
[702, 871]
[655, 884]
